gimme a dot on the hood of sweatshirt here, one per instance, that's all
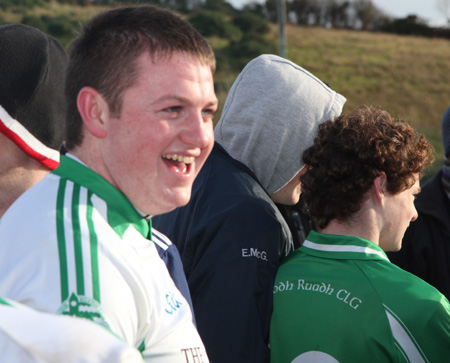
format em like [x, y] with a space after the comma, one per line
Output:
[271, 115]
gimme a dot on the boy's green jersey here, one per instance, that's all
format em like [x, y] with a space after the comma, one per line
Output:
[338, 298]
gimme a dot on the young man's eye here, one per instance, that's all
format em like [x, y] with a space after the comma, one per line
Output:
[173, 109]
[208, 113]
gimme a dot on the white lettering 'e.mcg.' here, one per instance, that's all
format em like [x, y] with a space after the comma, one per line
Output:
[254, 252]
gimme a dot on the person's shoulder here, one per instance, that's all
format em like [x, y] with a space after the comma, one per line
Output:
[431, 195]
[290, 263]
[419, 304]
[161, 241]
[34, 333]
[223, 172]
[37, 194]
[31, 208]
[411, 287]
[229, 189]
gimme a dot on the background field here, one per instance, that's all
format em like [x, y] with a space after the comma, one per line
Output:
[406, 75]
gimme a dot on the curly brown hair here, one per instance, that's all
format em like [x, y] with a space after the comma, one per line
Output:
[350, 152]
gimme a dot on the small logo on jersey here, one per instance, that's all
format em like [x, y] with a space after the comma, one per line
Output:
[83, 307]
[172, 303]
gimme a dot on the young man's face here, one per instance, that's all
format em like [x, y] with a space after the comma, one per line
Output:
[154, 150]
[399, 212]
[290, 193]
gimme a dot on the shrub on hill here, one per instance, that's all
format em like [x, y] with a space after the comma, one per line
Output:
[250, 22]
[60, 27]
[5, 4]
[212, 23]
[239, 53]
[35, 21]
[411, 25]
[243, 31]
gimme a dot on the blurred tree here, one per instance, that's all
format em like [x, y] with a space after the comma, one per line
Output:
[219, 5]
[302, 10]
[213, 23]
[249, 47]
[5, 4]
[251, 23]
[60, 26]
[254, 7]
[337, 13]
[367, 13]
[270, 10]
[410, 25]
[35, 21]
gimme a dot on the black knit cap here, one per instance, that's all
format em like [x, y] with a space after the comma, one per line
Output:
[32, 104]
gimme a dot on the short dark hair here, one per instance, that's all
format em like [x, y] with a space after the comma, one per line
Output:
[350, 152]
[103, 56]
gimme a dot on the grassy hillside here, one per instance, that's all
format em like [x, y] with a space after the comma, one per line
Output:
[407, 76]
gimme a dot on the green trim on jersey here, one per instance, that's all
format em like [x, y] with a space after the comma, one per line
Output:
[77, 238]
[77, 235]
[64, 276]
[141, 347]
[5, 302]
[79, 262]
[82, 175]
[94, 249]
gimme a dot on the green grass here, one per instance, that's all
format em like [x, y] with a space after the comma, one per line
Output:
[407, 76]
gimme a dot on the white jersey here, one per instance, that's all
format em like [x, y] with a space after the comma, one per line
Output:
[73, 244]
[27, 336]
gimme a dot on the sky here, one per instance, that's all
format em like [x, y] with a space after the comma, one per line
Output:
[426, 9]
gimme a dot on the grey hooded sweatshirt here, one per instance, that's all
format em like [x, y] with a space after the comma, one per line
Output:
[267, 122]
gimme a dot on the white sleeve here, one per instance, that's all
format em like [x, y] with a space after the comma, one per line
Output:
[39, 336]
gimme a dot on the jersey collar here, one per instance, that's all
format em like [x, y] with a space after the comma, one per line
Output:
[121, 213]
[342, 247]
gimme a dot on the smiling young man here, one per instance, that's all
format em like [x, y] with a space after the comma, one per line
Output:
[139, 145]
[140, 103]
[338, 298]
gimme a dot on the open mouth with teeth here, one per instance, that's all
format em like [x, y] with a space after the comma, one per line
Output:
[180, 164]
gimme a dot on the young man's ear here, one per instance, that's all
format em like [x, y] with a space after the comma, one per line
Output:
[379, 188]
[93, 110]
